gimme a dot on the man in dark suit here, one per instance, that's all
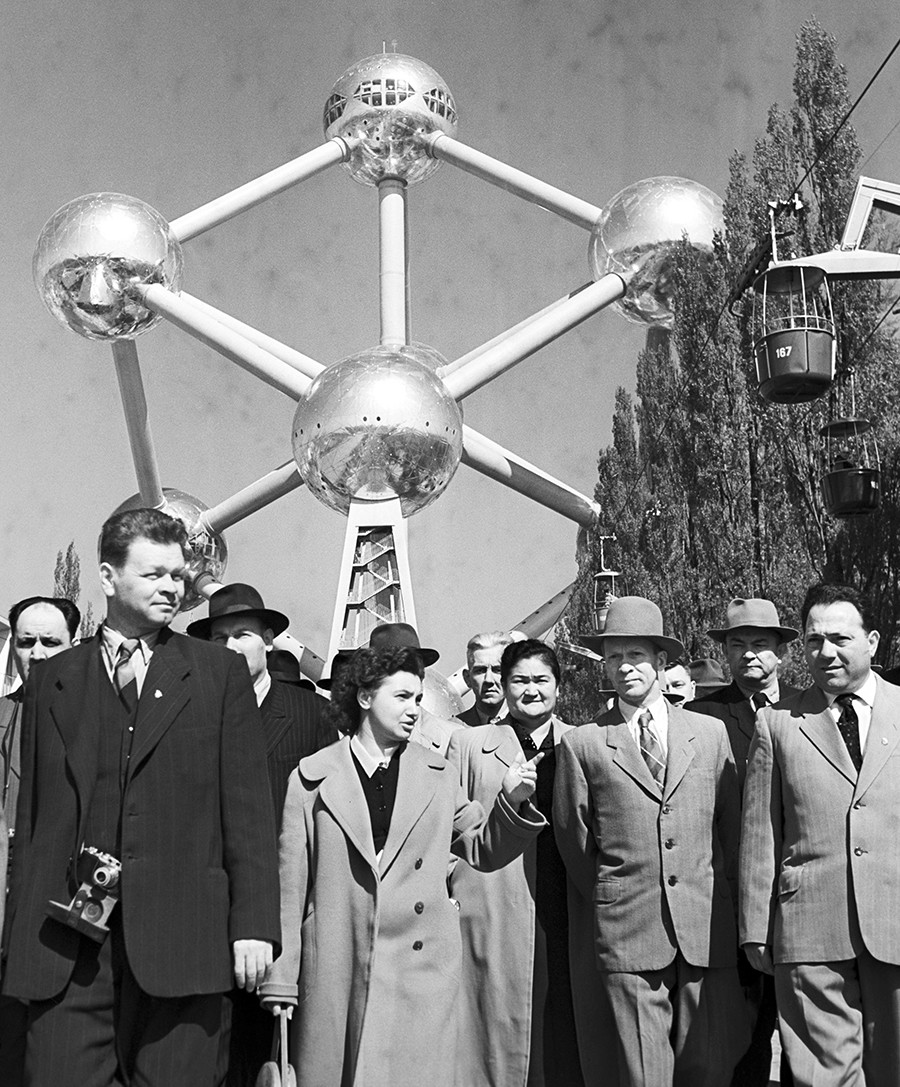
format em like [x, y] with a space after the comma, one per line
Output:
[293, 727]
[647, 820]
[145, 746]
[39, 628]
[820, 868]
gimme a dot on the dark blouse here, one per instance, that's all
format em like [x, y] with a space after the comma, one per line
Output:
[380, 791]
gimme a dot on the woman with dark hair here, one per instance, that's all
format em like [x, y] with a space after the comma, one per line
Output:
[516, 1005]
[371, 939]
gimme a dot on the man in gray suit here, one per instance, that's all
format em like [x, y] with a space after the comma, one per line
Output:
[646, 812]
[820, 867]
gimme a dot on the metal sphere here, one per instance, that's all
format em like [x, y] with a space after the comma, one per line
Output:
[391, 103]
[91, 251]
[438, 695]
[209, 552]
[637, 234]
[376, 425]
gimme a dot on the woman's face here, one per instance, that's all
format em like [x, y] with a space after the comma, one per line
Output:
[531, 692]
[391, 709]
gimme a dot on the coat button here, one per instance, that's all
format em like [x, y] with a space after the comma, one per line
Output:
[418, 863]
[417, 946]
[669, 843]
[859, 852]
[419, 906]
[666, 809]
[673, 880]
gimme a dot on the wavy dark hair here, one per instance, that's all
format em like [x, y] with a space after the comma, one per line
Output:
[367, 670]
[520, 651]
[826, 592]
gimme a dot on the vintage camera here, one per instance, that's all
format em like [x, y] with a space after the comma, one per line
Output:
[96, 898]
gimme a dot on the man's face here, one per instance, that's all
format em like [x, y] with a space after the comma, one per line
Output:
[483, 677]
[633, 666]
[41, 632]
[753, 655]
[838, 650]
[679, 685]
[146, 592]
[246, 635]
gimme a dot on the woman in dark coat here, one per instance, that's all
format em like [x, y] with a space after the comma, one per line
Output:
[371, 938]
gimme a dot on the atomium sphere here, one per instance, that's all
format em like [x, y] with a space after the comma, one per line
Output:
[637, 234]
[377, 425]
[438, 695]
[391, 103]
[209, 553]
[91, 251]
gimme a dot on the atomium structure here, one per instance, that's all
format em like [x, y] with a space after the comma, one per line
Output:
[379, 435]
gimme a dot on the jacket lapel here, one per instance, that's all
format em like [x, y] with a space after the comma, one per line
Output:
[627, 753]
[681, 751]
[415, 790]
[501, 741]
[275, 721]
[342, 795]
[817, 724]
[74, 708]
[882, 740]
[164, 694]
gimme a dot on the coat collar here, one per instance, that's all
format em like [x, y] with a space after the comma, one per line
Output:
[163, 695]
[275, 719]
[500, 739]
[817, 725]
[884, 734]
[628, 754]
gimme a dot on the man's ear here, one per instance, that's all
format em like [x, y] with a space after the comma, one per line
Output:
[107, 578]
[466, 680]
[269, 639]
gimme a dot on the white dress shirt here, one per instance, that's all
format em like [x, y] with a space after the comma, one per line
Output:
[111, 640]
[659, 721]
[863, 701]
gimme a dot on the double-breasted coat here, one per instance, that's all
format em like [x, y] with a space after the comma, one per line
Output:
[372, 948]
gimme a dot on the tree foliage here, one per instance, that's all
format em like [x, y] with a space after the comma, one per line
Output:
[711, 491]
[67, 583]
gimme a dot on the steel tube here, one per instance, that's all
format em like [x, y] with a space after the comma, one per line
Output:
[184, 315]
[268, 488]
[497, 463]
[393, 261]
[254, 192]
[143, 453]
[518, 345]
[564, 204]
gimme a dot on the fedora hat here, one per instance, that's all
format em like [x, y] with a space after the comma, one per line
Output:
[634, 617]
[707, 673]
[400, 634]
[284, 666]
[338, 663]
[753, 612]
[238, 599]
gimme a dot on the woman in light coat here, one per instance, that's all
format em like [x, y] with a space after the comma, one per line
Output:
[516, 1014]
[371, 938]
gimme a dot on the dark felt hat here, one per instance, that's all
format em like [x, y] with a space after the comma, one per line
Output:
[238, 599]
[285, 667]
[708, 673]
[400, 634]
[753, 612]
[634, 617]
[338, 662]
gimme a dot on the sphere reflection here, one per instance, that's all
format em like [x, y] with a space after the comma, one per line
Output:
[391, 103]
[637, 234]
[209, 553]
[376, 425]
[91, 251]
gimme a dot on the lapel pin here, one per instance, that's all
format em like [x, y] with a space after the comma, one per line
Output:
[157, 694]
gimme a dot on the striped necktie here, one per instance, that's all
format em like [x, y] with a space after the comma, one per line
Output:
[124, 675]
[651, 749]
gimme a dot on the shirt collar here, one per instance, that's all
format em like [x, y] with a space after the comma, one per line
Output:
[112, 641]
[365, 758]
[656, 709]
[261, 686]
[865, 692]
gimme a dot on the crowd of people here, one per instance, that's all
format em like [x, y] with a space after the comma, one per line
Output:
[200, 843]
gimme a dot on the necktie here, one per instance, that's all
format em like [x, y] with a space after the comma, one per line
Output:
[760, 701]
[124, 676]
[848, 726]
[651, 749]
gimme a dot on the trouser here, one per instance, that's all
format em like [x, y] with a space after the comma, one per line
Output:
[683, 1025]
[841, 1021]
[103, 1030]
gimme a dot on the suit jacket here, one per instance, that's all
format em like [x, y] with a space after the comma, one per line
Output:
[820, 867]
[199, 866]
[294, 726]
[373, 945]
[733, 708]
[10, 768]
[659, 868]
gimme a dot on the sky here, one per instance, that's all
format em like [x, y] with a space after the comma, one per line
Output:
[178, 101]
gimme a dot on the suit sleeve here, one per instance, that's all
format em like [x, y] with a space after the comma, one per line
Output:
[281, 984]
[248, 818]
[573, 819]
[761, 840]
[728, 813]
